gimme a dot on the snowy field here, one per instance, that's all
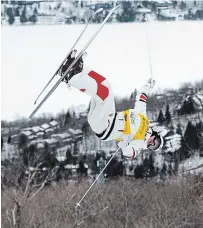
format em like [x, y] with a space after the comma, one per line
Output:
[30, 55]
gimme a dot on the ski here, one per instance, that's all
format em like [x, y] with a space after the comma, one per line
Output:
[76, 59]
[96, 12]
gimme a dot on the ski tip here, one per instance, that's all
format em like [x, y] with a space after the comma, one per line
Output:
[35, 102]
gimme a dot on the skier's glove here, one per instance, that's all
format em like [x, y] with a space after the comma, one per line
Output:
[122, 144]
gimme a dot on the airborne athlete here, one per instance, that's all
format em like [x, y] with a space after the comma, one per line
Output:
[130, 128]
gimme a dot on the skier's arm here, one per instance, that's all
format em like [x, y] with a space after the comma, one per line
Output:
[134, 148]
[141, 98]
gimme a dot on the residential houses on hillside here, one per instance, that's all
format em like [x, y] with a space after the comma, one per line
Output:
[50, 134]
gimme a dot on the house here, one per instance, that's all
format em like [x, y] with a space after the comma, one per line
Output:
[142, 14]
[54, 124]
[40, 143]
[26, 132]
[45, 126]
[37, 129]
[63, 138]
[76, 134]
[15, 139]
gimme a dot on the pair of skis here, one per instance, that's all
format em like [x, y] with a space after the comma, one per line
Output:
[76, 59]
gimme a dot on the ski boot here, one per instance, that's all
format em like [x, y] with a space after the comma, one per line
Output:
[77, 67]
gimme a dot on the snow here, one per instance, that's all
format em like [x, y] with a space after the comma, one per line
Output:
[40, 145]
[173, 137]
[27, 133]
[45, 126]
[32, 136]
[37, 129]
[192, 163]
[49, 141]
[160, 129]
[62, 135]
[53, 123]
[176, 55]
[75, 132]
[14, 136]
[41, 142]
[61, 158]
[49, 130]
[153, 124]
[143, 10]
[26, 129]
[172, 146]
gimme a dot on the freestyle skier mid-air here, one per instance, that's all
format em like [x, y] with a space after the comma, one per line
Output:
[130, 128]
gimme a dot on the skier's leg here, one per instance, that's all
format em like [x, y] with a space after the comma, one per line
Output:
[101, 113]
[102, 101]
[98, 87]
[91, 83]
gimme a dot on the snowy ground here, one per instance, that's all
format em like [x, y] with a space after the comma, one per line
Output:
[30, 55]
[193, 165]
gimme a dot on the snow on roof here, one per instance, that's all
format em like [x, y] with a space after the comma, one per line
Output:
[40, 145]
[27, 133]
[45, 126]
[67, 140]
[50, 129]
[62, 135]
[13, 136]
[143, 10]
[37, 129]
[68, 166]
[32, 136]
[53, 123]
[39, 133]
[61, 158]
[63, 149]
[26, 129]
[75, 132]
[49, 141]
[78, 131]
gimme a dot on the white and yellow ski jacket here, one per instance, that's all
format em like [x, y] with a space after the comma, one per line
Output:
[129, 127]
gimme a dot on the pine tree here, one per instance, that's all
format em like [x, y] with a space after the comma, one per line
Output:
[133, 98]
[168, 115]
[11, 18]
[23, 17]
[179, 130]
[22, 141]
[69, 156]
[187, 107]
[85, 130]
[163, 170]
[199, 127]
[128, 14]
[67, 118]
[191, 137]
[2, 142]
[161, 118]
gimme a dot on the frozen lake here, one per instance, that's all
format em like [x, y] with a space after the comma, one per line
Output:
[30, 55]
